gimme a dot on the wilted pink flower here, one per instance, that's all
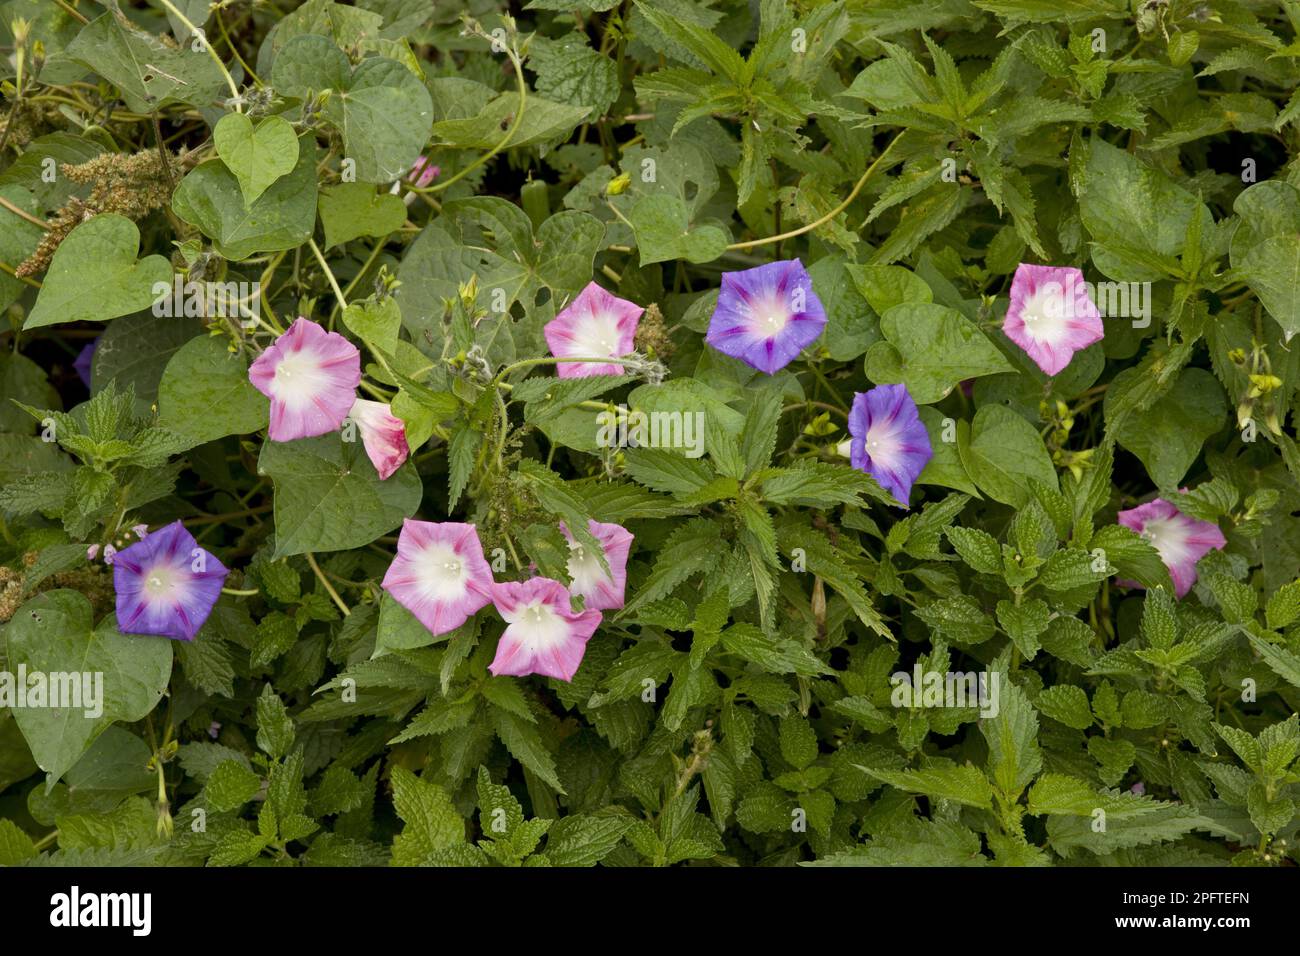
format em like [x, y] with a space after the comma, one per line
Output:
[166, 584]
[889, 440]
[1181, 540]
[141, 530]
[423, 172]
[439, 574]
[543, 634]
[767, 315]
[109, 553]
[596, 324]
[92, 552]
[383, 435]
[1051, 315]
[214, 729]
[601, 590]
[311, 377]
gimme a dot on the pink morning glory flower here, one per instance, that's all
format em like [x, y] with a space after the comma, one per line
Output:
[382, 433]
[601, 590]
[543, 634]
[311, 377]
[889, 440]
[596, 324]
[1181, 540]
[166, 584]
[1051, 315]
[439, 574]
[767, 315]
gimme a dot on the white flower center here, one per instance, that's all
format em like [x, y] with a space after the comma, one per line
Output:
[596, 336]
[442, 573]
[1045, 314]
[585, 570]
[159, 582]
[880, 442]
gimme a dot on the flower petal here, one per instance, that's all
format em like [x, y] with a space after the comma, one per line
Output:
[767, 315]
[439, 573]
[311, 377]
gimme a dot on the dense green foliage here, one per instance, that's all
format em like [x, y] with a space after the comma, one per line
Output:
[738, 709]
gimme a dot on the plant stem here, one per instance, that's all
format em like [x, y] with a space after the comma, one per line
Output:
[505, 140]
[857, 188]
[329, 588]
[329, 274]
[230, 80]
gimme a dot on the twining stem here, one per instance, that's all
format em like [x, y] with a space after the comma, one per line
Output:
[6, 267]
[370, 261]
[72, 10]
[230, 80]
[21, 214]
[329, 588]
[238, 593]
[552, 360]
[329, 274]
[857, 188]
[505, 140]
[235, 52]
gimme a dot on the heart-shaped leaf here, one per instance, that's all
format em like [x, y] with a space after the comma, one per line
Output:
[351, 210]
[94, 275]
[54, 634]
[257, 155]
[282, 217]
[205, 393]
[328, 496]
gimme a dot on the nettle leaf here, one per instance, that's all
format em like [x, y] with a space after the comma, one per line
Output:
[328, 496]
[1012, 737]
[571, 72]
[431, 823]
[54, 634]
[95, 276]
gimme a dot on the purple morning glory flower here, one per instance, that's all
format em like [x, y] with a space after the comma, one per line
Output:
[166, 584]
[82, 364]
[766, 315]
[889, 441]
